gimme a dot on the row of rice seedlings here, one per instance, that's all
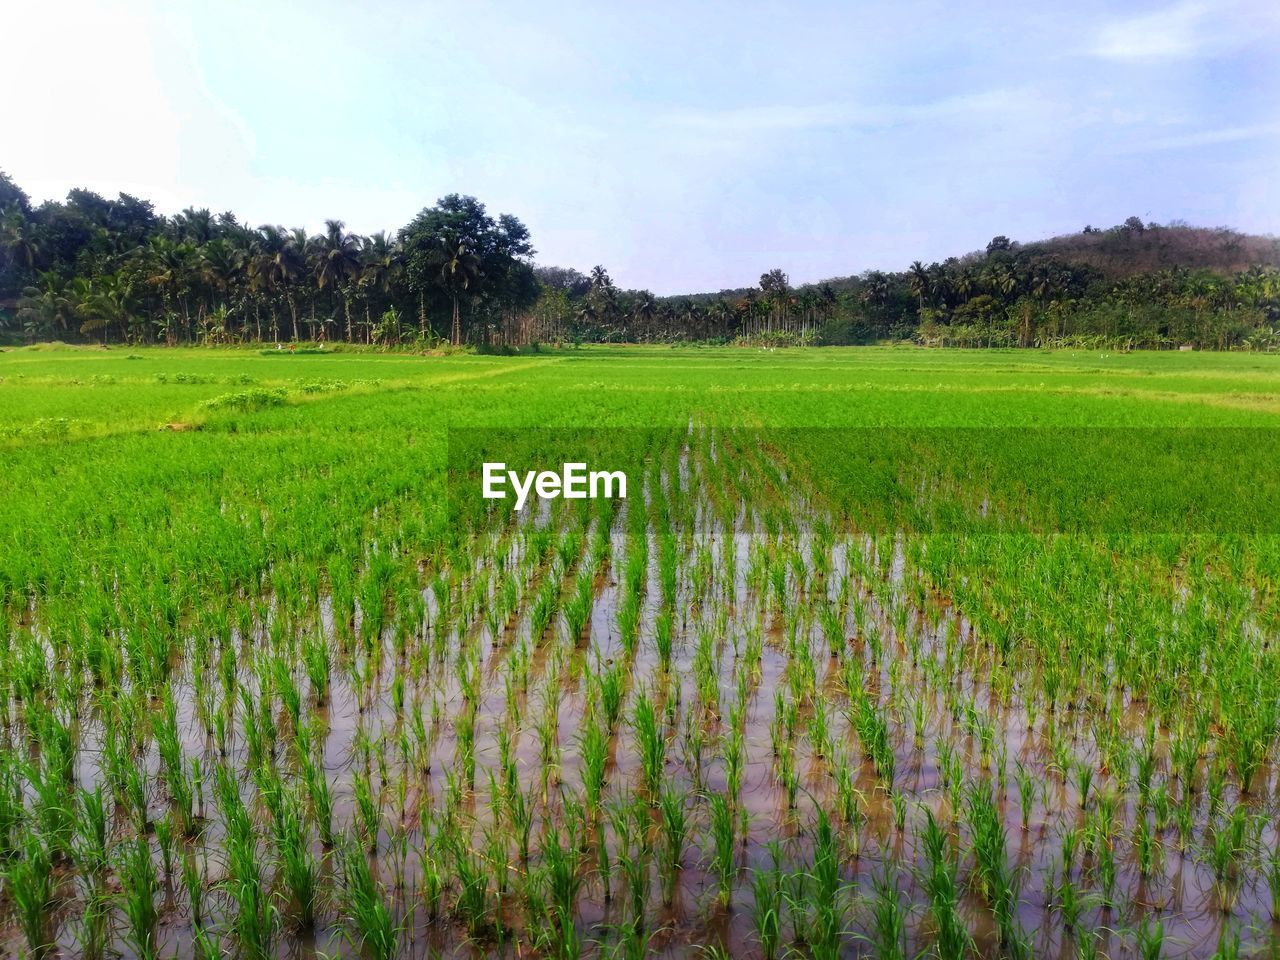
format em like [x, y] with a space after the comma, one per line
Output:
[260, 718]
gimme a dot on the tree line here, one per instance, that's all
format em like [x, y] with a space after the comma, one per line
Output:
[89, 268]
[114, 270]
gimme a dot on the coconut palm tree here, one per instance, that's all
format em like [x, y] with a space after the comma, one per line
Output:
[44, 308]
[600, 278]
[337, 261]
[277, 264]
[918, 278]
[585, 316]
[876, 288]
[691, 317]
[101, 303]
[18, 242]
[642, 312]
[1006, 280]
[720, 314]
[459, 271]
[170, 267]
[194, 225]
[222, 268]
[380, 269]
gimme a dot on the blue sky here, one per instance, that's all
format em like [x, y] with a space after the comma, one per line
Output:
[686, 146]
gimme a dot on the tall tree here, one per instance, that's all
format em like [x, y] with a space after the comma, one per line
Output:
[455, 252]
[459, 271]
[337, 262]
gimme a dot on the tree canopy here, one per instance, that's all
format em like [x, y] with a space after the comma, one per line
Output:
[90, 267]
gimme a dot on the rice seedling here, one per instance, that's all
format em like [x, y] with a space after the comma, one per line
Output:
[372, 930]
[651, 744]
[723, 846]
[472, 902]
[594, 749]
[633, 857]
[889, 916]
[827, 919]
[297, 866]
[30, 888]
[675, 829]
[1149, 941]
[93, 936]
[1273, 882]
[767, 902]
[951, 938]
[91, 836]
[193, 884]
[1228, 945]
[997, 878]
[1084, 779]
[1225, 848]
[138, 888]
[1026, 792]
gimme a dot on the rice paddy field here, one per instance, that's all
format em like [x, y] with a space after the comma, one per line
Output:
[887, 652]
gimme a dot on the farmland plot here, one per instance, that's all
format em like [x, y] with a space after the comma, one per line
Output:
[276, 696]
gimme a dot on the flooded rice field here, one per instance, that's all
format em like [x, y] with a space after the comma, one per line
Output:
[710, 719]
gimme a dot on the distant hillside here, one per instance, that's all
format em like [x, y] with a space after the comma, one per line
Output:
[1133, 248]
[1115, 253]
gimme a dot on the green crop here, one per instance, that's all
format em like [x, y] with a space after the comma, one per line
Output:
[887, 650]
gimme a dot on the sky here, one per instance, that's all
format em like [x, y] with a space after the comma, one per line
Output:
[686, 146]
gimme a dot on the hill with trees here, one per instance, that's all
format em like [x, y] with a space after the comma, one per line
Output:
[93, 269]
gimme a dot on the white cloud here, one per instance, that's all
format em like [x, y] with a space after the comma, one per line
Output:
[1205, 138]
[1192, 28]
[1165, 34]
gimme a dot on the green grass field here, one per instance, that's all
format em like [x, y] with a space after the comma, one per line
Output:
[891, 652]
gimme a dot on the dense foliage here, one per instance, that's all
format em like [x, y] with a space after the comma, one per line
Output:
[115, 270]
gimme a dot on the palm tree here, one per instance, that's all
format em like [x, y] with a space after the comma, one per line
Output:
[45, 308]
[169, 266]
[100, 303]
[194, 225]
[1006, 280]
[586, 315]
[646, 306]
[291, 266]
[17, 240]
[939, 284]
[381, 267]
[222, 266]
[278, 259]
[381, 261]
[828, 301]
[720, 313]
[691, 316]
[876, 289]
[1041, 283]
[918, 277]
[611, 309]
[337, 260]
[600, 278]
[459, 271]
[746, 311]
